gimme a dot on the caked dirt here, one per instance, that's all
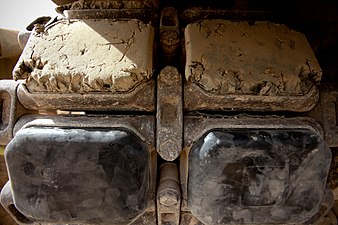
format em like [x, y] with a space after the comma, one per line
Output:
[225, 57]
[87, 56]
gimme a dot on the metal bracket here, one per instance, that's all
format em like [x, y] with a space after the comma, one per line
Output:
[326, 112]
[169, 114]
[10, 109]
[329, 105]
[169, 34]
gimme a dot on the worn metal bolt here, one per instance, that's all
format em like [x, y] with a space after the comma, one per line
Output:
[169, 150]
[169, 198]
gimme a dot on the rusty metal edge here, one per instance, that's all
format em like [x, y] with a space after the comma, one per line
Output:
[142, 98]
[195, 98]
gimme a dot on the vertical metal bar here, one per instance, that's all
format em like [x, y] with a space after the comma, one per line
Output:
[169, 114]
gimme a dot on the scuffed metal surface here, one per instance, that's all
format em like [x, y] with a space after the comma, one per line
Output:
[169, 123]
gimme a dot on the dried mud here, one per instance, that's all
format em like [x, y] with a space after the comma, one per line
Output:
[225, 57]
[87, 56]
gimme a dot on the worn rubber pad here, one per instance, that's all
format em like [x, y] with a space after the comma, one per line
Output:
[78, 176]
[257, 176]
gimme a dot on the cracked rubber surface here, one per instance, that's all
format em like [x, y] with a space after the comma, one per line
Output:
[257, 176]
[79, 176]
[87, 56]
